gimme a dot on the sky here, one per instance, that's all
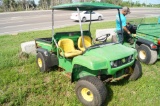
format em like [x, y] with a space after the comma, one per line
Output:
[144, 1]
[141, 1]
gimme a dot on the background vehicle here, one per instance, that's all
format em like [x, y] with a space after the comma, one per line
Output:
[146, 41]
[85, 16]
[86, 63]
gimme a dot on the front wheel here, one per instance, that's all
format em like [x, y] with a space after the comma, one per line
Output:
[84, 19]
[99, 18]
[146, 55]
[135, 71]
[91, 91]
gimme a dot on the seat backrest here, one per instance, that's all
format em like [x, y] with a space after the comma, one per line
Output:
[66, 44]
[87, 42]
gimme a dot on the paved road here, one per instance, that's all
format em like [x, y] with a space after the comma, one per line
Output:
[11, 23]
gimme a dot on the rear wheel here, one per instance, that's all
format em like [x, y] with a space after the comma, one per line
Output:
[135, 71]
[146, 55]
[84, 19]
[42, 64]
[99, 18]
[91, 91]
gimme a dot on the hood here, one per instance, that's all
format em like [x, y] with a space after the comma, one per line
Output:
[111, 52]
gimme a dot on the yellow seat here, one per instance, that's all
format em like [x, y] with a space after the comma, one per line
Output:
[67, 46]
[87, 42]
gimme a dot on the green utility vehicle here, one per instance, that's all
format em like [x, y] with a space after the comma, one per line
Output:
[146, 40]
[86, 63]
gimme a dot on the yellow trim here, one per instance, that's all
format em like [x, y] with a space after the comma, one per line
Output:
[87, 94]
[142, 54]
[39, 62]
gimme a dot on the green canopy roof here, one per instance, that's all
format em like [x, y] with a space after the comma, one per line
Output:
[86, 6]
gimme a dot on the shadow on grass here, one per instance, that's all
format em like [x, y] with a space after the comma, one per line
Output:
[110, 91]
[109, 95]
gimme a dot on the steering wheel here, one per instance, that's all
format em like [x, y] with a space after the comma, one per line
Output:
[131, 28]
[102, 38]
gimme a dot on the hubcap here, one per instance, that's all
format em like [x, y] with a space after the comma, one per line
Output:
[39, 62]
[142, 54]
[84, 19]
[87, 94]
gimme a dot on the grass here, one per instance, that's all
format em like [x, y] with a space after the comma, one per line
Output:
[22, 84]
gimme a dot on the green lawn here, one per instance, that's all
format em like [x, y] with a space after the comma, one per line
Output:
[21, 82]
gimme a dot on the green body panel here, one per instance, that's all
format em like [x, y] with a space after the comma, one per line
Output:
[90, 61]
[151, 30]
[86, 6]
[44, 45]
[111, 51]
[100, 58]
[65, 64]
[80, 71]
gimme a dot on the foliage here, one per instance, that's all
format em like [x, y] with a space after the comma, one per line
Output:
[15, 5]
[21, 5]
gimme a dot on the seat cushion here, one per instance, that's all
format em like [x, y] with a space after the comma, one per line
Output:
[87, 42]
[67, 45]
[71, 54]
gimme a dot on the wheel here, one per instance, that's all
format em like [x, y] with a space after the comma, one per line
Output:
[91, 91]
[146, 55]
[99, 18]
[135, 71]
[42, 64]
[84, 19]
[137, 46]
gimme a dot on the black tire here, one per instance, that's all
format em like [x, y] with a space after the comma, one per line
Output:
[146, 55]
[91, 91]
[42, 64]
[153, 56]
[137, 46]
[84, 19]
[99, 18]
[135, 71]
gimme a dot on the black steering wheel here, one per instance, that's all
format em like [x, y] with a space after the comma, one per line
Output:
[102, 38]
[131, 28]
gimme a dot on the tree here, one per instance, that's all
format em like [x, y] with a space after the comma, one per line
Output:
[6, 5]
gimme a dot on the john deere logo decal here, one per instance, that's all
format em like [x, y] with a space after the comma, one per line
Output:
[123, 60]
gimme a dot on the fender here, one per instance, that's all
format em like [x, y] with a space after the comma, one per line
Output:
[91, 62]
[51, 58]
[150, 44]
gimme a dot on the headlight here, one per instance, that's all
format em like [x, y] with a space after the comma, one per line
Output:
[130, 58]
[113, 64]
